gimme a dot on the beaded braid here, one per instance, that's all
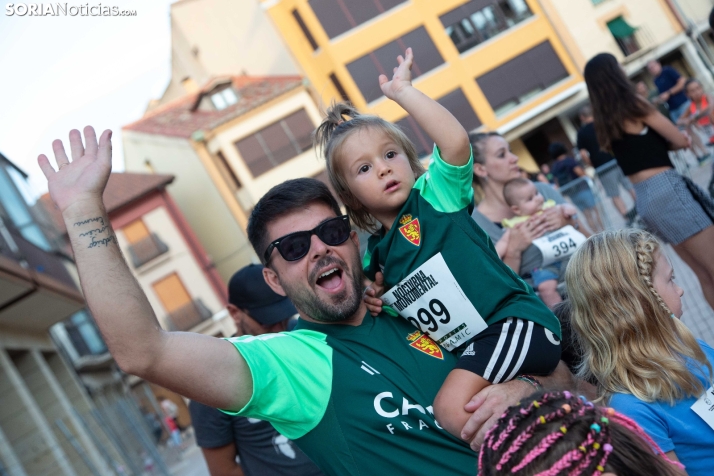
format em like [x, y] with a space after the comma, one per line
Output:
[579, 454]
[597, 439]
[528, 432]
[549, 440]
[645, 250]
[595, 449]
[521, 415]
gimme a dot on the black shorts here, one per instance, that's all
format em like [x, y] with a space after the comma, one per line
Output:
[509, 348]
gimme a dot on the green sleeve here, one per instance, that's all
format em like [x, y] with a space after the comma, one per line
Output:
[370, 268]
[367, 260]
[292, 379]
[447, 187]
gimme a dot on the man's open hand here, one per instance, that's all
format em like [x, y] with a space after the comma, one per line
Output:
[86, 176]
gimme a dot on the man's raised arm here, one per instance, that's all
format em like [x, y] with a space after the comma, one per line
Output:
[199, 367]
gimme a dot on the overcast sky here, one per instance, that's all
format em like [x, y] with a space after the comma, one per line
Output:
[60, 73]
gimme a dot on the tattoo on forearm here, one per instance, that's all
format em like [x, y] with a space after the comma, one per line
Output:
[99, 220]
[102, 236]
[102, 241]
[93, 232]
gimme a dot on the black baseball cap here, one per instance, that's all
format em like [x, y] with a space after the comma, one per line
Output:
[248, 290]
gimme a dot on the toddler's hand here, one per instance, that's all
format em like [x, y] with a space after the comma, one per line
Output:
[402, 76]
[373, 293]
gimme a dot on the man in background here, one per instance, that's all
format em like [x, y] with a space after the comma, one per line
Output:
[670, 85]
[594, 156]
[256, 310]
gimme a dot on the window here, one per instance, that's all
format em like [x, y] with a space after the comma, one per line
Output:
[224, 98]
[624, 35]
[14, 205]
[478, 20]
[171, 292]
[521, 78]
[228, 172]
[143, 246]
[366, 70]
[183, 313]
[84, 335]
[340, 90]
[277, 143]
[305, 31]
[457, 104]
[339, 16]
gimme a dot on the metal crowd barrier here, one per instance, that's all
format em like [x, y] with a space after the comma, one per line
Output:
[684, 161]
[610, 175]
[582, 193]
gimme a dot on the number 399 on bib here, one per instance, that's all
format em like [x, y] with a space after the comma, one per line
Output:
[432, 300]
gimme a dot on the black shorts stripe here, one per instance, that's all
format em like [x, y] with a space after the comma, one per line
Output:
[509, 348]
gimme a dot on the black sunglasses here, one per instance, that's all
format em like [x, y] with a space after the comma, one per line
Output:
[295, 246]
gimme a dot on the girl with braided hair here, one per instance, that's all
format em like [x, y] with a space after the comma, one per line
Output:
[626, 311]
[554, 434]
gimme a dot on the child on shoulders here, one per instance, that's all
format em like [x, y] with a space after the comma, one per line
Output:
[440, 269]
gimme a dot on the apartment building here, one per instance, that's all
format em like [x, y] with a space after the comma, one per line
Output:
[212, 38]
[164, 254]
[227, 143]
[169, 263]
[495, 64]
[48, 422]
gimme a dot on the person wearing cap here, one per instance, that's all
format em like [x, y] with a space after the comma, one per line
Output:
[256, 310]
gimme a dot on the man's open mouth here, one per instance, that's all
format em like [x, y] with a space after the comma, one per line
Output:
[330, 279]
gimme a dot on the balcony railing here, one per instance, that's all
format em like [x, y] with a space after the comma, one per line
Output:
[147, 249]
[189, 316]
[14, 246]
[636, 45]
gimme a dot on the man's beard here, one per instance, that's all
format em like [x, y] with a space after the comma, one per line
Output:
[341, 307]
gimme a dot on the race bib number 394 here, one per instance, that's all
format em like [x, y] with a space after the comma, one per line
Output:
[432, 300]
[559, 244]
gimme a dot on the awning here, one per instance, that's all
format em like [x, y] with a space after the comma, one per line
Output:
[620, 28]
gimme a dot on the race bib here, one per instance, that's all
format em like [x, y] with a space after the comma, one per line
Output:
[432, 300]
[559, 244]
[704, 407]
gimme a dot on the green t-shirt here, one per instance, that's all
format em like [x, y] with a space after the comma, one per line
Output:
[436, 219]
[356, 399]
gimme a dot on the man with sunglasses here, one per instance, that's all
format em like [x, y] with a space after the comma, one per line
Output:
[352, 390]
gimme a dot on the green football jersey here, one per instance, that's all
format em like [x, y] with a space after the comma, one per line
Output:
[441, 269]
[356, 399]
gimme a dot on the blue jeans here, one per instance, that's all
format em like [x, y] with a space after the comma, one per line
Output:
[675, 114]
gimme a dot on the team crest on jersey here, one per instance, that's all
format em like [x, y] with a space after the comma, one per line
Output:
[410, 229]
[424, 343]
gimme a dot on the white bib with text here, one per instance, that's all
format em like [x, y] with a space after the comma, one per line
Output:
[432, 300]
[704, 407]
[559, 244]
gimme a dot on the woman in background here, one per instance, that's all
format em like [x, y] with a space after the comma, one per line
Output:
[632, 130]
